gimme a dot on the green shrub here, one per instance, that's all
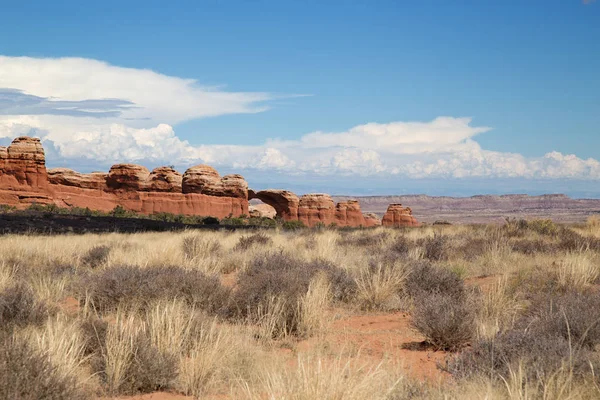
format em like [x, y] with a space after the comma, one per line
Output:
[543, 227]
[292, 225]
[210, 221]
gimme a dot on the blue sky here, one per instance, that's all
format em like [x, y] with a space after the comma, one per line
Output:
[526, 74]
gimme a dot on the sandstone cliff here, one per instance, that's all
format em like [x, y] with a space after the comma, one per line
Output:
[199, 191]
[24, 180]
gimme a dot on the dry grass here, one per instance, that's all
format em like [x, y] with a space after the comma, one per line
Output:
[317, 377]
[381, 286]
[578, 270]
[142, 331]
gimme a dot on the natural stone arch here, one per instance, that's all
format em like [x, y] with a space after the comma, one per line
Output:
[284, 202]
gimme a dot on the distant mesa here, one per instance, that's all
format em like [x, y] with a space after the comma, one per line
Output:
[24, 180]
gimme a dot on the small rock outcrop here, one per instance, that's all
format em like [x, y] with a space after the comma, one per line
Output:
[348, 213]
[262, 211]
[68, 177]
[164, 179]
[371, 219]
[316, 208]
[128, 177]
[23, 163]
[203, 179]
[397, 215]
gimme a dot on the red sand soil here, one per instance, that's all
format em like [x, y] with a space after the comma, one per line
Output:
[151, 396]
[383, 336]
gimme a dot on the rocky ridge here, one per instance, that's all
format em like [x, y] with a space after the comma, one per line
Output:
[24, 180]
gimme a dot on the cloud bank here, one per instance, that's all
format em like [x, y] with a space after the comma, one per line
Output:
[90, 110]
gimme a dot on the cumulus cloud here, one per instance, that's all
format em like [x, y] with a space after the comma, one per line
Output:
[89, 110]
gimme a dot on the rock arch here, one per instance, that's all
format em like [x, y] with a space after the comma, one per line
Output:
[284, 202]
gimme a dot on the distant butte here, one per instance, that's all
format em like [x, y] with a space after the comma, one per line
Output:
[24, 180]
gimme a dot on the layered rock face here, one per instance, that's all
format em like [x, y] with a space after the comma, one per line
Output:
[397, 215]
[24, 180]
[315, 208]
[348, 213]
[164, 179]
[68, 177]
[23, 164]
[204, 179]
[199, 191]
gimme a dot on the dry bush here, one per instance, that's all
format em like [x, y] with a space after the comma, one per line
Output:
[93, 331]
[281, 276]
[543, 227]
[569, 240]
[19, 307]
[363, 239]
[436, 247]
[572, 316]
[132, 364]
[197, 246]
[381, 286]
[533, 246]
[537, 356]
[428, 278]
[257, 239]
[27, 374]
[96, 256]
[447, 322]
[557, 331]
[443, 311]
[107, 289]
[471, 248]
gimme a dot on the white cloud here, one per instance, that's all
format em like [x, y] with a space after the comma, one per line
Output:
[61, 100]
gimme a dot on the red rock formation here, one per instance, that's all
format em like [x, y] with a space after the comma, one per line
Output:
[128, 177]
[316, 208]
[262, 211]
[284, 202]
[24, 180]
[396, 215]
[200, 191]
[348, 213]
[312, 209]
[68, 177]
[164, 179]
[204, 179]
[371, 219]
[23, 164]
